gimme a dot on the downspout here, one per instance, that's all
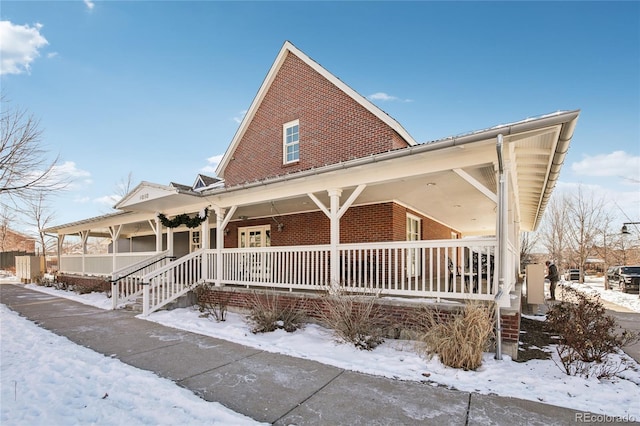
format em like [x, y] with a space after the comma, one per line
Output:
[502, 244]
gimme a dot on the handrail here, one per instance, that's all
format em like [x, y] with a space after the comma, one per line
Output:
[129, 285]
[114, 281]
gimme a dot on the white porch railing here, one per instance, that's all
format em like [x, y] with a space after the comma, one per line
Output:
[127, 281]
[441, 269]
[457, 269]
[99, 264]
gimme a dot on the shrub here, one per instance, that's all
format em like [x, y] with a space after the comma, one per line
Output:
[460, 340]
[269, 314]
[355, 319]
[587, 335]
[216, 309]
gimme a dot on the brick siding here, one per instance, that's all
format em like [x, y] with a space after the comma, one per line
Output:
[333, 127]
[86, 284]
[399, 315]
[360, 224]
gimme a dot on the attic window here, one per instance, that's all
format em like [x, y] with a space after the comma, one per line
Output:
[291, 142]
[199, 184]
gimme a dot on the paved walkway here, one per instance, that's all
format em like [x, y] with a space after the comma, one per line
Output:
[268, 387]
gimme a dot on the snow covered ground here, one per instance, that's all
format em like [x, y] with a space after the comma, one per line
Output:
[27, 399]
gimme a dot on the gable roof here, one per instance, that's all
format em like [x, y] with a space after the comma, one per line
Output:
[287, 49]
[203, 181]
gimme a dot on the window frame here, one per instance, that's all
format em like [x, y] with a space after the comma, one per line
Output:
[285, 144]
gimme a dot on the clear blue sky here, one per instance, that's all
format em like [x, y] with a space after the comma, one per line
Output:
[157, 88]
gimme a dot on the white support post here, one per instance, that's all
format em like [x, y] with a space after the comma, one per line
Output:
[146, 287]
[158, 229]
[84, 235]
[334, 211]
[222, 220]
[114, 232]
[170, 241]
[219, 244]
[204, 244]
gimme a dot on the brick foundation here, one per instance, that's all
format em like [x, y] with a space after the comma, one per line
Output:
[86, 284]
[399, 313]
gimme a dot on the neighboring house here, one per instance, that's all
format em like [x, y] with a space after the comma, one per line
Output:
[11, 240]
[12, 244]
[319, 187]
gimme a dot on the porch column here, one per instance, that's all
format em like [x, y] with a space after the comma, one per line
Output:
[114, 231]
[204, 244]
[334, 217]
[502, 231]
[220, 225]
[170, 241]
[83, 236]
[158, 234]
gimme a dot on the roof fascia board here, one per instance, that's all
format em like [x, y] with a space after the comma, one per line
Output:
[287, 48]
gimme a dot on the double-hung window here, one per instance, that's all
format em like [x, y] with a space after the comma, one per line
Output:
[291, 142]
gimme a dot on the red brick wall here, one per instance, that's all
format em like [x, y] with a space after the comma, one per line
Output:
[13, 241]
[333, 127]
[398, 315]
[87, 284]
[360, 224]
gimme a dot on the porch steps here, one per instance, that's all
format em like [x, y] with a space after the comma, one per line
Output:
[186, 300]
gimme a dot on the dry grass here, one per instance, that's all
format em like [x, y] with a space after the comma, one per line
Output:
[459, 341]
[354, 319]
[269, 314]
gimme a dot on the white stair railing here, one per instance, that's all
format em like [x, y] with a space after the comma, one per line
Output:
[168, 283]
[126, 283]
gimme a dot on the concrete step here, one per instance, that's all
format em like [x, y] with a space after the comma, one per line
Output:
[184, 301]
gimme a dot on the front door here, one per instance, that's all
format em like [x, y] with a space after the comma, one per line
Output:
[256, 264]
[413, 255]
[194, 240]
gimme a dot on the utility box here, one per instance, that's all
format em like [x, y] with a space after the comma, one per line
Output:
[28, 268]
[535, 284]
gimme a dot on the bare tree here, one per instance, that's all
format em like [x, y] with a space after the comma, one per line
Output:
[6, 217]
[528, 241]
[586, 217]
[39, 215]
[24, 168]
[554, 230]
[124, 186]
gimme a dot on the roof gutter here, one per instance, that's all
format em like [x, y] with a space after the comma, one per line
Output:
[566, 134]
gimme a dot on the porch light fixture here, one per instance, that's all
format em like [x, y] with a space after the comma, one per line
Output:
[625, 230]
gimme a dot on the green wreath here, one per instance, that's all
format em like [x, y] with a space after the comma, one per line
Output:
[183, 219]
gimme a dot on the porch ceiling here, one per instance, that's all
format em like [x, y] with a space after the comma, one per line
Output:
[453, 181]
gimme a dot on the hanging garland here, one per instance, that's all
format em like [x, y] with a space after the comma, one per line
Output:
[184, 219]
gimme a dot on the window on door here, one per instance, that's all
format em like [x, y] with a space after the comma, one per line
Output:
[194, 239]
[413, 234]
[254, 236]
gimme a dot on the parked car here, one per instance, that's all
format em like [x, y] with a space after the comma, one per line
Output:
[572, 275]
[628, 279]
[612, 274]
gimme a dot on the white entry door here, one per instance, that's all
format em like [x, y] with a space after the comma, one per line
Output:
[256, 265]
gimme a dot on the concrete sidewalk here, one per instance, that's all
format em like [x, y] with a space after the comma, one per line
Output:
[269, 387]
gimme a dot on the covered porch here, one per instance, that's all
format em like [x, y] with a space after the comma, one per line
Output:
[451, 214]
